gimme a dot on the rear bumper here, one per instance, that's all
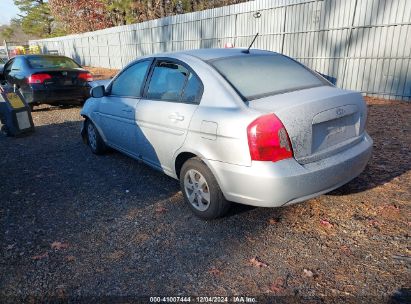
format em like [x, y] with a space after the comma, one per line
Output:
[58, 96]
[268, 184]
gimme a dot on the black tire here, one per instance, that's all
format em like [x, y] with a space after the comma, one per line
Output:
[217, 205]
[5, 130]
[95, 142]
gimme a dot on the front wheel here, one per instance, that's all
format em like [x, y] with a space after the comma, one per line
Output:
[94, 140]
[201, 190]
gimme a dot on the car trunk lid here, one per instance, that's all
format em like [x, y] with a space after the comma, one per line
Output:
[320, 121]
[63, 78]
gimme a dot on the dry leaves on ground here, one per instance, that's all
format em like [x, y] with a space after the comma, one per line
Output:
[308, 273]
[40, 256]
[59, 245]
[161, 209]
[257, 262]
[214, 271]
[326, 224]
[278, 286]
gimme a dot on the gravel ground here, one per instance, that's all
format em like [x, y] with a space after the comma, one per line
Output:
[79, 226]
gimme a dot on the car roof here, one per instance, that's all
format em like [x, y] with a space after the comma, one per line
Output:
[41, 55]
[213, 54]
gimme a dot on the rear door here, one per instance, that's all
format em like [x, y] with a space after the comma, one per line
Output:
[117, 109]
[164, 114]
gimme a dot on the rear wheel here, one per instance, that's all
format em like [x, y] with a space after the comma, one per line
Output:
[94, 139]
[201, 190]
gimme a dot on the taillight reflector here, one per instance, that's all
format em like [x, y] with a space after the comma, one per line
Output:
[268, 139]
[86, 76]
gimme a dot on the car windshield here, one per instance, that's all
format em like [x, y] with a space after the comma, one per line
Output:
[52, 62]
[257, 76]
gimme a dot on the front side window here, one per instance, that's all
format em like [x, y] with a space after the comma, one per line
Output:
[256, 76]
[130, 82]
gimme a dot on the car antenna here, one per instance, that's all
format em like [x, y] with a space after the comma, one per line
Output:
[247, 51]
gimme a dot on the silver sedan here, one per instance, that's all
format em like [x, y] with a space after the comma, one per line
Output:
[255, 128]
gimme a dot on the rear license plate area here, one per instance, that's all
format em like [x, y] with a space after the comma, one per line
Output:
[329, 133]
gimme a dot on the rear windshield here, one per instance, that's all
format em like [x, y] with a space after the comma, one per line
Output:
[52, 62]
[257, 76]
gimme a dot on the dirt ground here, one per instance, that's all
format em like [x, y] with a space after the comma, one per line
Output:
[81, 227]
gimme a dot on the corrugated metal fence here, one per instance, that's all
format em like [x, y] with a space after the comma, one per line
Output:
[363, 45]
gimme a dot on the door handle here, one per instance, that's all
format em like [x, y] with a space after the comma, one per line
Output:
[128, 110]
[176, 117]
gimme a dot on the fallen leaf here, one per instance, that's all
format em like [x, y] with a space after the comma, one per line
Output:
[374, 223]
[117, 255]
[214, 271]
[277, 286]
[70, 258]
[308, 273]
[326, 224]
[59, 245]
[273, 221]
[389, 208]
[257, 262]
[161, 209]
[345, 249]
[40, 256]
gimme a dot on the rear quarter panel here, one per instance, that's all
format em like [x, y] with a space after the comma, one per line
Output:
[218, 128]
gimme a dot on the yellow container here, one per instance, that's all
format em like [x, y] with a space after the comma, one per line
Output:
[34, 49]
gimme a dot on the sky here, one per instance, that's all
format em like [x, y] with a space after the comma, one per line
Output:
[7, 11]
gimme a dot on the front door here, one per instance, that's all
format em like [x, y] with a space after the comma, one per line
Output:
[117, 110]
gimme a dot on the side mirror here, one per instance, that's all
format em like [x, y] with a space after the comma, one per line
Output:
[98, 92]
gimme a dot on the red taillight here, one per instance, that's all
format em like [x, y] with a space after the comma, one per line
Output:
[85, 76]
[268, 139]
[38, 78]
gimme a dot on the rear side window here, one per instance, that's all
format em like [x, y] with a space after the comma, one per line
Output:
[193, 89]
[52, 62]
[171, 81]
[130, 82]
[17, 64]
[256, 76]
